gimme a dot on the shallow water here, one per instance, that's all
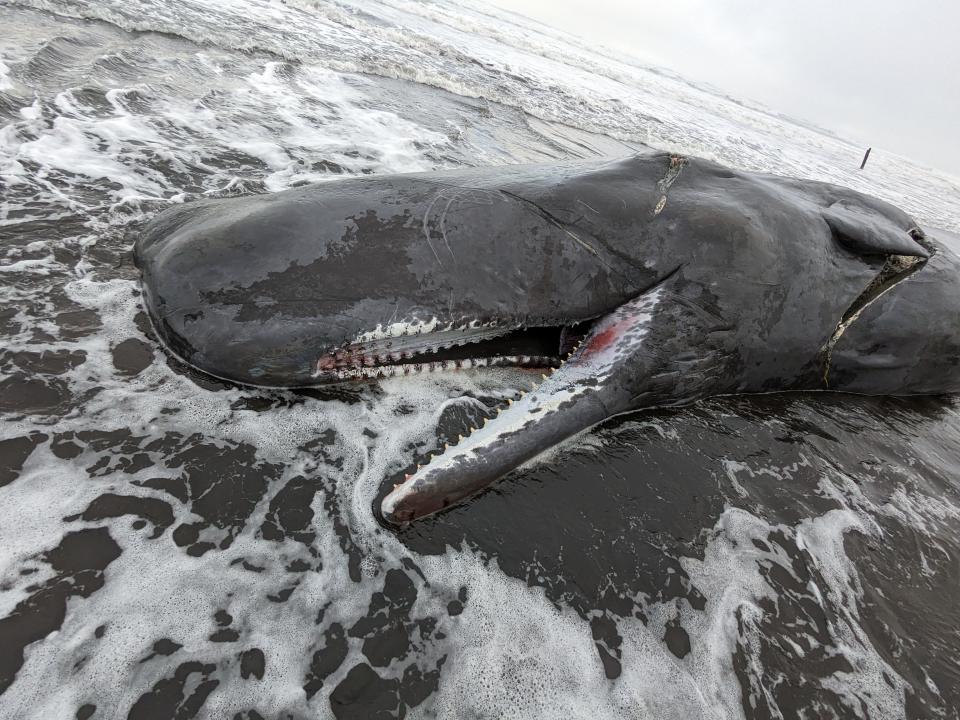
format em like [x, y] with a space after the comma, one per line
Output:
[171, 546]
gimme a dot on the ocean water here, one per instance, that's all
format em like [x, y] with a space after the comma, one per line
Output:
[173, 546]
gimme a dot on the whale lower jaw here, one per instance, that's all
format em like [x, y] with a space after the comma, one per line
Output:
[581, 392]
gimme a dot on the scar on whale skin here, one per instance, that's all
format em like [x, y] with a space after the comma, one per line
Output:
[673, 172]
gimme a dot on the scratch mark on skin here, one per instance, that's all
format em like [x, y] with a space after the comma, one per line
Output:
[587, 206]
[582, 242]
[458, 186]
[554, 221]
[459, 195]
[443, 225]
[426, 224]
[677, 163]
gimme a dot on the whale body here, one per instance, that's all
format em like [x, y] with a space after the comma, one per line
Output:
[652, 280]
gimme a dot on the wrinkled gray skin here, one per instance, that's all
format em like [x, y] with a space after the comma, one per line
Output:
[697, 280]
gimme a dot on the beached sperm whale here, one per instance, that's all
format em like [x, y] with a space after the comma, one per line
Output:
[647, 281]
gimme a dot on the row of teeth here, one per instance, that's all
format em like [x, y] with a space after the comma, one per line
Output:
[510, 401]
[384, 371]
[358, 359]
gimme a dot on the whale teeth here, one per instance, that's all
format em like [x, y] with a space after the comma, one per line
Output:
[358, 362]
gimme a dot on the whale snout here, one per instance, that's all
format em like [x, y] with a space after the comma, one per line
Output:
[426, 492]
[396, 510]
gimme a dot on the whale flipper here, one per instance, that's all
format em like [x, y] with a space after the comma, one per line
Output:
[868, 233]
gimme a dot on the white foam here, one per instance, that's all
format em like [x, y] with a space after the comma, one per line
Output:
[729, 576]
[32, 265]
[5, 82]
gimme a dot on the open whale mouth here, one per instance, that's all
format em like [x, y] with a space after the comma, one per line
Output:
[493, 449]
[410, 349]
[576, 392]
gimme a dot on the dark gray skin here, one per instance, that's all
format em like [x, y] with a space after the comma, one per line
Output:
[666, 279]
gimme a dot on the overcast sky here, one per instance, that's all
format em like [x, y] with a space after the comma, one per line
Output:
[880, 72]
